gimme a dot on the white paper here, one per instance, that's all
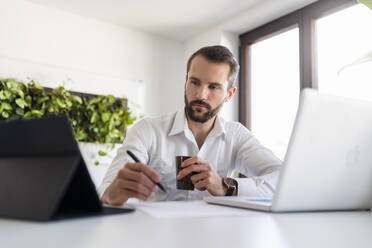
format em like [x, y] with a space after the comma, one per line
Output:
[186, 209]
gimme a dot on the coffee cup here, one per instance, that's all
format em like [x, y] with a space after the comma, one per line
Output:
[185, 183]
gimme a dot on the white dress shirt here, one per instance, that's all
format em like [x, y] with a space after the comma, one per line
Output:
[229, 146]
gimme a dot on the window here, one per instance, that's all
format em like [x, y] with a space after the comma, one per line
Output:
[341, 39]
[273, 77]
[304, 49]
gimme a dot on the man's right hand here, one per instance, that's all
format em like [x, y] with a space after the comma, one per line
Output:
[134, 180]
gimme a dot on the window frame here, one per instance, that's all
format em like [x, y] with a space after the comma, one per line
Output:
[304, 19]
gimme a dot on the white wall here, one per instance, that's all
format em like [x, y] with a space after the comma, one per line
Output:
[47, 43]
[230, 110]
[170, 73]
[52, 45]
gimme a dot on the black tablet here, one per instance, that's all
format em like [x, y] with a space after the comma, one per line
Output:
[42, 173]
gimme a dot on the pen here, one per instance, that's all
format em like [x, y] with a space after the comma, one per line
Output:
[137, 161]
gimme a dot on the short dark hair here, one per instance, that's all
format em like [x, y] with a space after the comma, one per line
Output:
[218, 54]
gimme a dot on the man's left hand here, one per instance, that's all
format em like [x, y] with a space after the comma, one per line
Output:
[206, 177]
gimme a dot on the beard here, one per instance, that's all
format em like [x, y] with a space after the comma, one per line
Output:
[191, 113]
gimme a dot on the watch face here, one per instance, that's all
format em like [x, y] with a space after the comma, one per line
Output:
[230, 181]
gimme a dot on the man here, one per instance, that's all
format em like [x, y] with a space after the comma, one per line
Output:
[217, 146]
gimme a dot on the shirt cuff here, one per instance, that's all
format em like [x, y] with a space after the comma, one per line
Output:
[101, 189]
[254, 187]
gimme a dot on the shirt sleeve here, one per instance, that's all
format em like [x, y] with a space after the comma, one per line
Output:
[258, 163]
[134, 141]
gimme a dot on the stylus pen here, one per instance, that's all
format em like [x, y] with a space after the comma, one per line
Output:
[137, 161]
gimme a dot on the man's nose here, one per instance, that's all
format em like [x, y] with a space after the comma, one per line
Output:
[203, 92]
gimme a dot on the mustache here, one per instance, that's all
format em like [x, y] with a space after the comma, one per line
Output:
[200, 102]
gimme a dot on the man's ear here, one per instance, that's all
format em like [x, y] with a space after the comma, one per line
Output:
[230, 93]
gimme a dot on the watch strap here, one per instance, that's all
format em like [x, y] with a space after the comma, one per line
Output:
[231, 185]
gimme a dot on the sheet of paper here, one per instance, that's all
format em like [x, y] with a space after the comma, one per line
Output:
[186, 209]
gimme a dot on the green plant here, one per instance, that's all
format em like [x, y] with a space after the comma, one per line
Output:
[366, 57]
[367, 3]
[100, 119]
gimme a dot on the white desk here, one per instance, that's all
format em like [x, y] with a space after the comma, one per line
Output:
[256, 229]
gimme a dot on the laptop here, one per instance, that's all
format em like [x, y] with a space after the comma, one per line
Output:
[42, 174]
[328, 164]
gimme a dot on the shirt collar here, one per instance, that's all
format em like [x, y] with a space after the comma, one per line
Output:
[180, 125]
[218, 128]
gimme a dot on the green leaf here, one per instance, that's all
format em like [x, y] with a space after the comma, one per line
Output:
[20, 112]
[367, 3]
[115, 133]
[21, 103]
[43, 106]
[36, 84]
[20, 93]
[69, 103]
[102, 153]
[94, 117]
[81, 135]
[25, 86]
[105, 117]
[12, 85]
[365, 58]
[5, 95]
[29, 100]
[51, 109]
[5, 114]
[2, 95]
[28, 114]
[6, 106]
[112, 123]
[8, 94]
[77, 99]
[60, 103]
[37, 113]
[101, 107]
[96, 163]
[110, 99]
[43, 99]
[93, 101]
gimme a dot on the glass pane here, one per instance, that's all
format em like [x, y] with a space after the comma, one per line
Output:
[342, 38]
[275, 87]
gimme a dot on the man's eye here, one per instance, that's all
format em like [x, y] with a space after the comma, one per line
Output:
[194, 82]
[212, 87]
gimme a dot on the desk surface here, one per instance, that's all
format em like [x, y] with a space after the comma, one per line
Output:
[256, 229]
